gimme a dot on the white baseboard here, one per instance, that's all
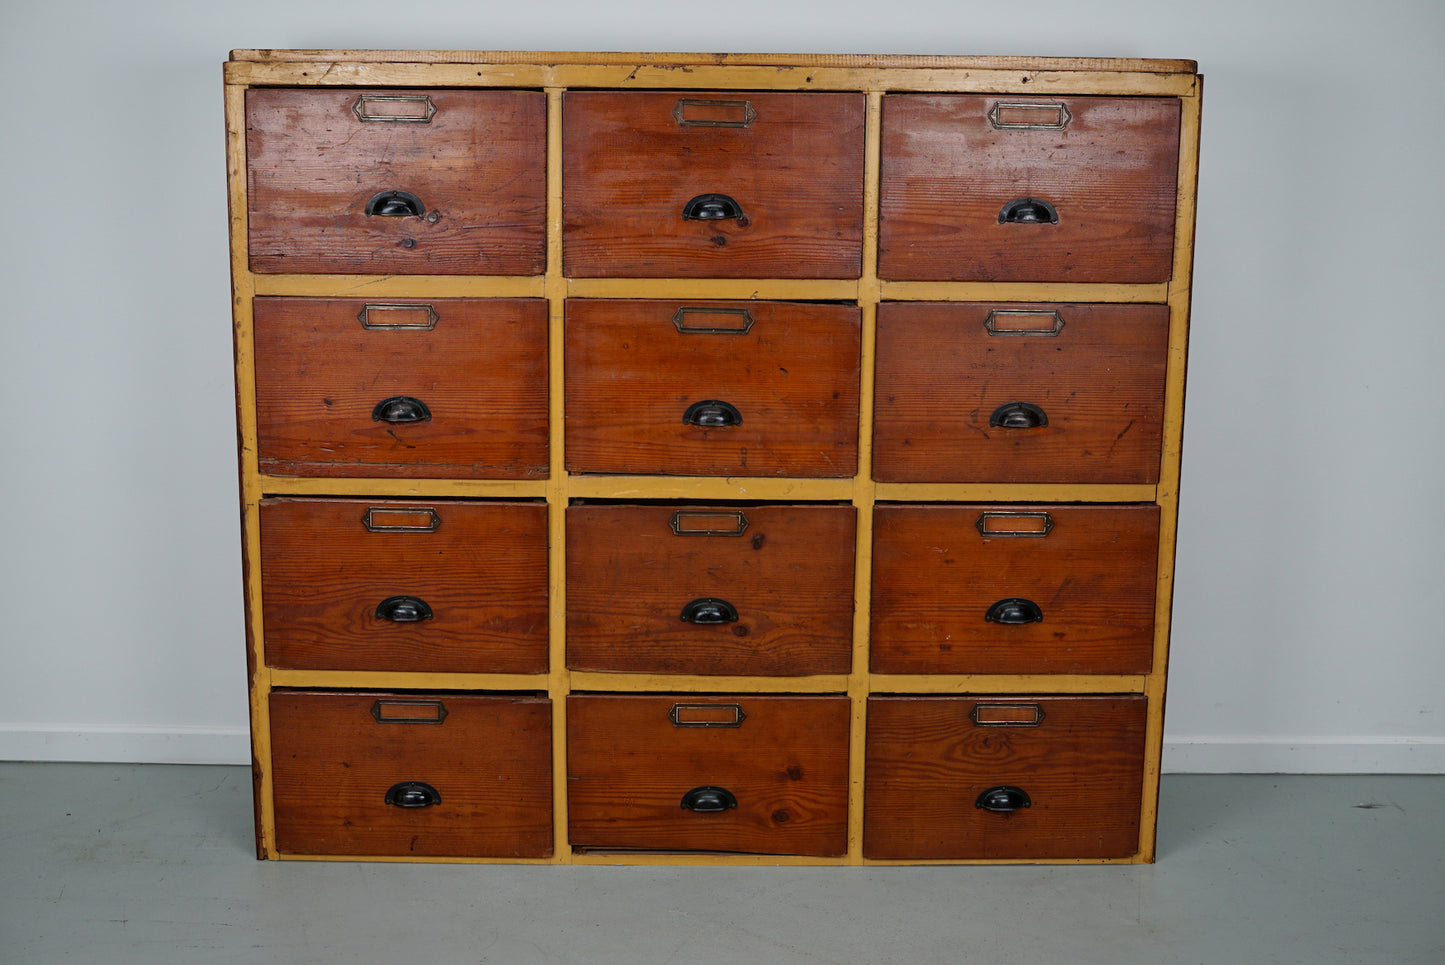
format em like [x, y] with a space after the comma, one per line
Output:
[127, 745]
[1188, 755]
[1304, 755]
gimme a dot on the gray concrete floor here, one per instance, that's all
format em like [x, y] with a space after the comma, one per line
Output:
[114, 864]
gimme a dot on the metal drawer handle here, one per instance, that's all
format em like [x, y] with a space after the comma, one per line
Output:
[1014, 611]
[743, 325]
[395, 204]
[712, 414]
[413, 794]
[401, 519]
[707, 715]
[709, 800]
[694, 523]
[709, 611]
[1015, 116]
[391, 710]
[1006, 715]
[403, 609]
[1028, 211]
[713, 207]
[696, 112]
[1003, 799]
[1030, 525]
[394, 108]
[1015, 322]
[401, 408]
[1018, 415]
[421, 318]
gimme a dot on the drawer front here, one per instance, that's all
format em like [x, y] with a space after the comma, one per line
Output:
[765, 775]
[710, 590]
[999, 188]
[441, 587]
[435, 182]
[418, 775]
[712, 388]
[997, 778]
[402, 387]
[1019, 393]
[980, 589]
[732, 185]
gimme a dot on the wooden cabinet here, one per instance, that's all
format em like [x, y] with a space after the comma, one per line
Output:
[709, 459]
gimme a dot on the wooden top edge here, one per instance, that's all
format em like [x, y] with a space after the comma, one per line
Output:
[893, 61]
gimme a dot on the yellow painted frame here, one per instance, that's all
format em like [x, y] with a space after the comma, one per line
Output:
[553, 73]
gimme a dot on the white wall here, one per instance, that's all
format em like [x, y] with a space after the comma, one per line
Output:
[1307, 627]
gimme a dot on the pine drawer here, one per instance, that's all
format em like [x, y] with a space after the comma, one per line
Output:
[1007, 188]
[704, 388]
[1003, 777]
[979, 589]
[710, 589]
[437, 587]
[746, 184]
[402, 387]
[378, 181]
[1019, 392]
[415, 775]
[745, 773]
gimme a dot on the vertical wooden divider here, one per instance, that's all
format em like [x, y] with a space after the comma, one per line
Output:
[556, 290]
[1168, 489]
[243, 290]
[863, 488]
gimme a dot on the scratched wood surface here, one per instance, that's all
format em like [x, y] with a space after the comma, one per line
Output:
[631, 163]
[481, 371]
[482, 573]
[928, 762]
[786, 570]
[941, 377]
[948, 171]
[629, 766]
[489, 759]
[476, 166]
[936, 576]
[793, 378]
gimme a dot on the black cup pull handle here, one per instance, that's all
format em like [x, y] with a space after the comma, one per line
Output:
[709, 800]
[1018, 415]
[1003, 799]
[413, 794]
[1028, 211]
[395, 204]
[401, 408]
[712, 414]
[1014, 611]
[708, 611]
[403, 609]
[712, 207]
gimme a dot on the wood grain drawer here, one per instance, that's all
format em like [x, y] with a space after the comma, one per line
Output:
[1019, 393]
[790, 166]
[1006, 777]
[765, 775]
[423, 775]
[712, 388]
[439, 586]
[957, 170]
[402, 387]
[979, 589]
[710, 589]
[464, 172]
